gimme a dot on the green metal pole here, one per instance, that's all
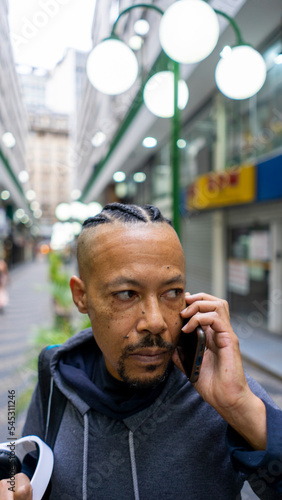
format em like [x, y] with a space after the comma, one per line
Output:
[234, 25]
[136, 6]
[175, 152]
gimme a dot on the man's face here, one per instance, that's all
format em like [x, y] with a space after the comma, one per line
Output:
[133, 295]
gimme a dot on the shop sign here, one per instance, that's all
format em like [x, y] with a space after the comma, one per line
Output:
[216, 189]
[238, 277]
[260, 245]
[269, 179]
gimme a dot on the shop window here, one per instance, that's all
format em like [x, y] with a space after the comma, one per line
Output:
[249, 261]
[254, 126]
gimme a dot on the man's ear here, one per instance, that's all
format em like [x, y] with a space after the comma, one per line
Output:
[78, 291]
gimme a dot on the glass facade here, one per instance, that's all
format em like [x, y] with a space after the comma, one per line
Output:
[223, 134]
[254, 127]
[228, 133]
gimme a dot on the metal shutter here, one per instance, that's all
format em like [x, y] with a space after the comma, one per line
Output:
[196, 239]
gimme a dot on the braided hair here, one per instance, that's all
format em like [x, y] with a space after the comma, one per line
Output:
[126, 214]
[111, 214]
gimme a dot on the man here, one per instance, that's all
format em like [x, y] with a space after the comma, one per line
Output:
[4, 276]
[134, 426]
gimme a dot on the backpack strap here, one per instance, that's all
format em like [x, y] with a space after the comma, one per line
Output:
[53, 401]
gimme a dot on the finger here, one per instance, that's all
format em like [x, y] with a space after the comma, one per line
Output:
[211, 319]
[23, 490]
[201, 306]
[200, 296]
[190, 299]
[206, 306]
[5, 494]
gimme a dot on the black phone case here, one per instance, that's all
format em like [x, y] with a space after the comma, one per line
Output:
[191, 348]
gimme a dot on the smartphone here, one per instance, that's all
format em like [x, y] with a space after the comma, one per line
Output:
[191, 348]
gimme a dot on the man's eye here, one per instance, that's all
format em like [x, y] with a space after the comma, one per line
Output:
[125, 295]
[175, 292]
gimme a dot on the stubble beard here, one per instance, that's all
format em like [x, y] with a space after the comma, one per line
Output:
[149, 382]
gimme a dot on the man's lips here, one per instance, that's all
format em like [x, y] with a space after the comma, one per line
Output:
[149, 355]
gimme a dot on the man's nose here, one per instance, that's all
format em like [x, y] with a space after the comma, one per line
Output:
[151, 317]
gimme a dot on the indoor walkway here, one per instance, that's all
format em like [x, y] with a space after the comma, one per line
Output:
[29, 307]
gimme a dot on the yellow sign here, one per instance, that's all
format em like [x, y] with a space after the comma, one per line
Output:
[216, 189]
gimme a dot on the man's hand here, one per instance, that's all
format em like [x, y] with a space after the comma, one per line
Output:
[22, 489]
[222, 382]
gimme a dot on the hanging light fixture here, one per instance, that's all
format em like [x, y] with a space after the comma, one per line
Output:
[158, 94]
[141, 27]
[112, 67]
[189, 31]
[9, 140]
[241, 72]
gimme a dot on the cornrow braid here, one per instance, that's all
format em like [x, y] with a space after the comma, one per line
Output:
[155, 214]
[127, 214]
[96, 220]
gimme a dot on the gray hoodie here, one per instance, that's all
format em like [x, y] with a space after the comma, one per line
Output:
[176, 448]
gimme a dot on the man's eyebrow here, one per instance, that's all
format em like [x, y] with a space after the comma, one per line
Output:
[122, 280]
[175, 279]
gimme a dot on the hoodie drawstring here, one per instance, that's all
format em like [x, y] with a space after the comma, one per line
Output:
[85, 461]
[49, 408]
[133, 466]
[85, 457]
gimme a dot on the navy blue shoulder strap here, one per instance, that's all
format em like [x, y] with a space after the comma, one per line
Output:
[53, 401]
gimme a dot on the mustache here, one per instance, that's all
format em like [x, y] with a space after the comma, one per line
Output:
[150, 341]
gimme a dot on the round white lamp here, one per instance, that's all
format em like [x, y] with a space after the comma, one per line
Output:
[149, 142]
[9, 140]
[158, 94]
[79, 211]
[241, 72]
[189, 31]
[94, 208]
[141, 27]
[112, 67]
[63, 211]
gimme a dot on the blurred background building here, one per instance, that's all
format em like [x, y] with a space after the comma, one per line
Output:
[14, 236]
[89, 146]
[47, 160]
[231, 163]
[51, 98]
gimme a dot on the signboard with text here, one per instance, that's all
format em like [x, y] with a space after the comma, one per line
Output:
[216, 189]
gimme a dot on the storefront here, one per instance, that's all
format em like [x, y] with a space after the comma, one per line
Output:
[236, 225]
[254, 251]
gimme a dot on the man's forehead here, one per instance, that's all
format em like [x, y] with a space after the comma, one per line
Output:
[111, 248]
[133, 231]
